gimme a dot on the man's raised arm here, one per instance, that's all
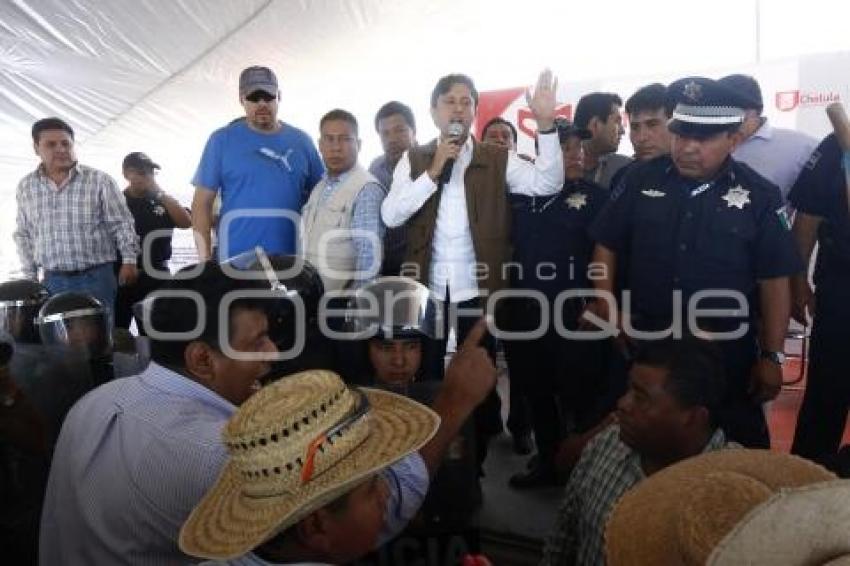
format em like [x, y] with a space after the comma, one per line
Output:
[546, 175]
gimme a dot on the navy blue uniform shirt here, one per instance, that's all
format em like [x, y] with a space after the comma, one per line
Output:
[551, 237]
[149, 214]
[821, 191]
[681, 234]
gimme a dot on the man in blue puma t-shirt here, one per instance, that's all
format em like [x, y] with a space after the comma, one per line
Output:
[263, 169]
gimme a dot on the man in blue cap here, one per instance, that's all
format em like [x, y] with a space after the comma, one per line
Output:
[700, 228]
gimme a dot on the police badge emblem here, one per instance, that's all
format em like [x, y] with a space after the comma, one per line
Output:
[692, 91]
[737, 197]
[576, 201]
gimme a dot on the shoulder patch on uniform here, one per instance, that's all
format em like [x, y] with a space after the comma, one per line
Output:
[784, 218]
[813, 159]
[618, 191]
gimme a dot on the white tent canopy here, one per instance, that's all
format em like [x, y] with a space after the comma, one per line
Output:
[159, 75]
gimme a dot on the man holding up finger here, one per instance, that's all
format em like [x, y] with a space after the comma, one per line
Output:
[453, 194]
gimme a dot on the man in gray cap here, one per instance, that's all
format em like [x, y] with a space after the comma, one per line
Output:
[703, 227]
[262, 168]
[777, 154]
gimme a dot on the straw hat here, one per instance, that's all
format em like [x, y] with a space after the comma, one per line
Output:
[295, 446]
[681, 513]
[807, 525]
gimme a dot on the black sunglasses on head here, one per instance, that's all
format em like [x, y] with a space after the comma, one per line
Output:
[259, 95]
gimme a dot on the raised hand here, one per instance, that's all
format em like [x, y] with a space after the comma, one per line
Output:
[542, 102]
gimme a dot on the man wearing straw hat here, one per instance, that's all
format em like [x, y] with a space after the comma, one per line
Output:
[137, 454]
[309, 479]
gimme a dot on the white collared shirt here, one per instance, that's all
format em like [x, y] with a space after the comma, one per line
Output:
[453, 255]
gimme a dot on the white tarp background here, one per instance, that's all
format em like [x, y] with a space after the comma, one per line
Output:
[160, 75]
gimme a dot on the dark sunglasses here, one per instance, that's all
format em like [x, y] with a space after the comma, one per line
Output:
[259, 95]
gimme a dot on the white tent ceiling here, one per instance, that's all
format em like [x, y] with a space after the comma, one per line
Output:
[160, 75]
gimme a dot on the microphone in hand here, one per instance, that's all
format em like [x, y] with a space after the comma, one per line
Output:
[455, 131]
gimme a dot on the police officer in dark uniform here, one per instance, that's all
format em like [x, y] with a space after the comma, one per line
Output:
[153, 210]
[552, 249]
[820, 198]
[695, 222]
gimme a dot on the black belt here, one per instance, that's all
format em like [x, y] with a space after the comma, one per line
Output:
[73, 272]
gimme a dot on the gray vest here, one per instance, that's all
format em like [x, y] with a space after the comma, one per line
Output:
[326, 228]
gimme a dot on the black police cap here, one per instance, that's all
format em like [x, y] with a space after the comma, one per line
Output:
[703, 107]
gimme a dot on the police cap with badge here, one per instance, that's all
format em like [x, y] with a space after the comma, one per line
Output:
[703, 108]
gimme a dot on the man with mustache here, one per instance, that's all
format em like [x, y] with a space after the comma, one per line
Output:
[72, 220]
[263, 168]
[700, 226]
[341, 220]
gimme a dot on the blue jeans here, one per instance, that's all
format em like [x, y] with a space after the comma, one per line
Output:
[98, 281]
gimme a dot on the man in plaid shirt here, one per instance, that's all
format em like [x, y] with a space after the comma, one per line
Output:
[71, 219]
[668, 413]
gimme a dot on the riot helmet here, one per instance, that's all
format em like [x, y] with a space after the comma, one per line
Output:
[20, 301]
[76, 321]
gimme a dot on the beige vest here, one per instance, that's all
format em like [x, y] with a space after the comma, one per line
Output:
[334, 254]
[488, 208]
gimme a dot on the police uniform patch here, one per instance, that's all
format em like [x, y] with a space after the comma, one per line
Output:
[618, 190]
[576, 201]
[782, 213]
[653, 193]
[737, 197]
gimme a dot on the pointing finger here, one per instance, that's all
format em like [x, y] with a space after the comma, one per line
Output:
[473, 339]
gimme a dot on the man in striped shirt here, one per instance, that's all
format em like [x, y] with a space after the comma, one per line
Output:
[71, 219]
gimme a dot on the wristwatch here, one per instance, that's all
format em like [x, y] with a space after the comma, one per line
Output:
[776, 357]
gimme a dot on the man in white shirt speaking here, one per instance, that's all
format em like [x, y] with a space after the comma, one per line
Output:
[453, 195]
